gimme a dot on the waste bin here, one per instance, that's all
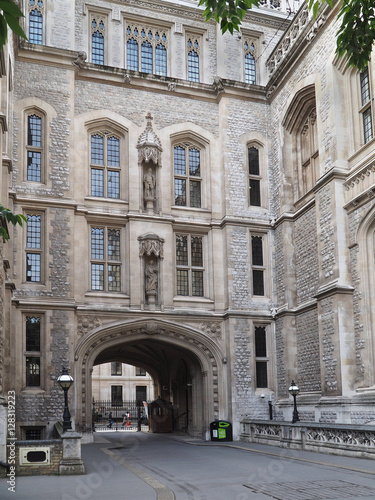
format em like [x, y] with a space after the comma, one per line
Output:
[221, 430]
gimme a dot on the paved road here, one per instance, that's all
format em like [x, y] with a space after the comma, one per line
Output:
[140, 466]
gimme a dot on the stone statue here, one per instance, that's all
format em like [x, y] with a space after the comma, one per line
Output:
[151, 272]
[149, 183]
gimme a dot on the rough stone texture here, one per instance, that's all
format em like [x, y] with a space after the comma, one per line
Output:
[327, 232]
[327, 417]
[282, 382]
[306, 262]
[308, 354]
[242, 368]
[280, 267]
[58, 249]
[52, 86]
[239, 267]
[362, 417]
[167, 109]
[328, 348]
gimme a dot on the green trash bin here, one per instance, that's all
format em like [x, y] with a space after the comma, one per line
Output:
[221, 430]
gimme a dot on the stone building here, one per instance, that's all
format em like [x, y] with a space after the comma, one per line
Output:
[199, 205]
[118, 383]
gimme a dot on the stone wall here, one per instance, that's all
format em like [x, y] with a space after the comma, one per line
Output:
[308, 353]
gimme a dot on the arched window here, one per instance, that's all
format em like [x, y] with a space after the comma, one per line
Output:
[193, 59]
[249, 54]
[36, 21]
[97, 40]
[34, 147]
[308, 146]
[146, 49]
[187, 176]
[105, 164]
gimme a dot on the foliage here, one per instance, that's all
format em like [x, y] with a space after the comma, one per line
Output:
[9, 216]
[9, 17]
[355, 37]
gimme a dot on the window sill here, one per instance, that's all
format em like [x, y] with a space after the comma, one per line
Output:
[192, 300]
[107, 295]
[190, 209]
[32, 391]
[105, 200]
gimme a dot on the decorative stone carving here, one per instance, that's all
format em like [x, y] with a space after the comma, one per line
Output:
[149, 145]
[127, 79]
[172, 86]
[149, 183]
[151, 244]
[218, 84]
[213, 330]
[80, 59]
[87, 323]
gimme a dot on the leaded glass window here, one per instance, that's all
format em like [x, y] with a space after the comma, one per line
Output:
[257, 265]
[33, 248]
[36, 21]
[193, 50]
[254, 176]
[146, 49]
[250, 67]
[366, 105]
[97, 40]
[189, 262]
[261, 360]
[105, 259]
[33, 348]
[187, 176]
[34, 148]
[105, 165]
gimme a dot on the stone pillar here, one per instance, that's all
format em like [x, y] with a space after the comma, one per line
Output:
[71, 462]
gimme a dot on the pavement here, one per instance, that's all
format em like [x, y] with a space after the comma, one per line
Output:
[145, 466]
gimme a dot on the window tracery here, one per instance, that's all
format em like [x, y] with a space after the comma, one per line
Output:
[146, 49]
[36, 8]
[97, 39]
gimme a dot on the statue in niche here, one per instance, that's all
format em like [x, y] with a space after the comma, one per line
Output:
[151, 273]
[149, 184]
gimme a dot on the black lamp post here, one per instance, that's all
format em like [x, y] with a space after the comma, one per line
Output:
[65, 381]
[294, 390]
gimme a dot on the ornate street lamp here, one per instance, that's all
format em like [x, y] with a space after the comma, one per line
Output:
[294, 390]
[65, 381]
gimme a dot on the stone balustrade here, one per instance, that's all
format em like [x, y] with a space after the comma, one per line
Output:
[337, 439]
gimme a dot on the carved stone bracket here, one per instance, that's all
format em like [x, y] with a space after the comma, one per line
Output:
[80, 59]
[151, 244]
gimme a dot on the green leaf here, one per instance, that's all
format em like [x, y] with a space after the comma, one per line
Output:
[9, 7]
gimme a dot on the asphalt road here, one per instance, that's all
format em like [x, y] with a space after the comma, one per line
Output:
[143, 466]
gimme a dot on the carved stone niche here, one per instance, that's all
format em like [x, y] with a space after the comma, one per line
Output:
[151, 253]
[149, 158]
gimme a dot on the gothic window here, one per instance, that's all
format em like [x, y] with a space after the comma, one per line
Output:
[33, 351]
[34, 248]
[254, 176]
[36, 21]
[34, 148]
[189, 263]
[116, 368]
[97, 40]
[105, 259]
[193, 50]
[249, 55]
[146, 49]
[187, 176]
[257, 262]
[308, 145]
[105, 165]
[366, 105]
[261, 358]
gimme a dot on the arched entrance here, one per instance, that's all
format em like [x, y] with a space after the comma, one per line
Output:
[184, 363]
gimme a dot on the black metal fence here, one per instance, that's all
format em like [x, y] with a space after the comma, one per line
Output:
[120, 416]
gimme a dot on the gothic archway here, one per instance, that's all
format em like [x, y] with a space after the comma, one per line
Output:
[159, 346]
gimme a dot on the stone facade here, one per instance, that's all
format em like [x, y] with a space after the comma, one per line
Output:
[261, 264]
